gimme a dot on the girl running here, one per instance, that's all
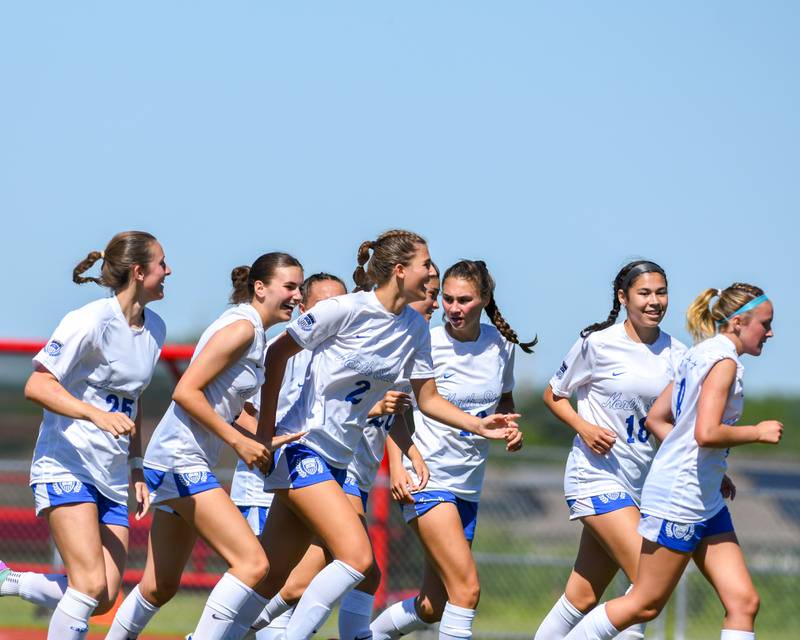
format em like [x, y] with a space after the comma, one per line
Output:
[617, 371]
[89, 378]
[226, 369]
[683, 512]
[474, 369]
[363, 343]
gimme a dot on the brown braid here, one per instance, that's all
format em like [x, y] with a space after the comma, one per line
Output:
[125, 249]
[476, 272]
[389, 249]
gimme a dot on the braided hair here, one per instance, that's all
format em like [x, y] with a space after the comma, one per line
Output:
[622, 282]
[124, 250]
[476, 272]
[389, 249]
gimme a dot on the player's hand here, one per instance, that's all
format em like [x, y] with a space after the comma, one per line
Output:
[598, 439]
[142, 494]
[727, 488]
[401, 485]
[769, 431]
[498, 425]
[116, 423]
[514, 440]
[278, 441]
[420, 469]
[253, 453]
[394, 402]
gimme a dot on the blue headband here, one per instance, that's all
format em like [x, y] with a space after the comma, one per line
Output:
[746, 307]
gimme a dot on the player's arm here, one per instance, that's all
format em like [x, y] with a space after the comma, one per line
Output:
[398, 443]
[598, 439]
[709, 431]
[248, 419]
[278, 354]
[224, 348]
[493, 427]
[136, 465]
[506, 405]
[659, 420]
[44, 389]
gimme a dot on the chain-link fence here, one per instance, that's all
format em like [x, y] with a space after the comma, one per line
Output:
[524, 548]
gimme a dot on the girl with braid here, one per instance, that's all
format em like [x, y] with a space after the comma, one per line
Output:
[474, 369]
[363, 343]
[617, 372]
[89, 378]
[683, 513]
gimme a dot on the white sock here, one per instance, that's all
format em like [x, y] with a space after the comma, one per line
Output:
[398, 620]
[247, 614]
[70, 620]
[277, 627]
[321, 595]
[275, 607]
[634, 632]
[132, 616]
[223, 605]
[355, 612]
[594, 626]
[559, 621]
[456, 622]
[733, 634]
[44, 589]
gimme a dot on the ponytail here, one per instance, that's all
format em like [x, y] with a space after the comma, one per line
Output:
[622, 282]
[389, 249]
[243, 278]
[124, 250]
[476, 272]
[704, 320]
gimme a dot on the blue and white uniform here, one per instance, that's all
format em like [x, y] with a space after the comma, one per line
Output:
[247, 488]
[473, 376]
[360, 351]
[182, 452]
[681, 501]
[100, 359]
[617, 380]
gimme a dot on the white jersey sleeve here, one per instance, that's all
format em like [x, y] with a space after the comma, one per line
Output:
[103, 361]
[684, 482]
[575, 370]
[421, 367]
[325, 320]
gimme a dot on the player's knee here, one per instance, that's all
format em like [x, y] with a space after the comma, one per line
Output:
[253, 569]
[372, 580]
[648, 611]
[93, 585]
[429, 611]
[160, 592]
[745, 603]
[359, 559]
[468, 593]
[583, 601]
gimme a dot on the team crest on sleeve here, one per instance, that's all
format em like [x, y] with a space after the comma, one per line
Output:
[561, 370]
[306, 321]
[53, 348]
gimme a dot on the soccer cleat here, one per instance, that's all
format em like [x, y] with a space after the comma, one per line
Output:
[5, 571]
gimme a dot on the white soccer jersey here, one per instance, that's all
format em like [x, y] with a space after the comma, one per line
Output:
[617, 380]
[179, 442]
[473, 376]
[99, 358]
[247, 488]
[684, 482]
[360, 351]
[369, 453]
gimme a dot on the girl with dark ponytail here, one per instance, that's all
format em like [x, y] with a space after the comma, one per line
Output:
[226, 369]
[617, 371]
[684, 516]
[89, 378]
[474, 365]
[363, 343]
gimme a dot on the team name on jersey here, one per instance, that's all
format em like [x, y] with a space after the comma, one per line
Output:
[373, 367]
[472, 400]
[618, 401]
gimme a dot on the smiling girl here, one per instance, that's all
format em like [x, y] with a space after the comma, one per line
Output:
[683, 513]
[89, 378]
[617, 371]
[363, 343]
[474, 369]
[226, 369]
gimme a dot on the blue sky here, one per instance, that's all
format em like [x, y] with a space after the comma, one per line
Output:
[556, 141]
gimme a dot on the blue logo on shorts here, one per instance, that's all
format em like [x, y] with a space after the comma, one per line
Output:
[193, 477]
[679, 531]
[306, 322]
[53, 348]
[309, 467]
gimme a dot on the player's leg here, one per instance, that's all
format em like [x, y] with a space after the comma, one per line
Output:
[355, 610]
[169, 546]
[721, 561]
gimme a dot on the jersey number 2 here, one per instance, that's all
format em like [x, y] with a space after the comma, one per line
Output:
[354, 397]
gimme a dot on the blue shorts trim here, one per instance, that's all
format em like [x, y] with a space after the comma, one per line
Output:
[168, 485]
[256, 517]
[684, 537]
[424, 501]
[351, 488]
[55, 494]
[599, 504]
